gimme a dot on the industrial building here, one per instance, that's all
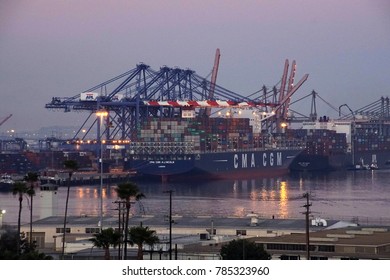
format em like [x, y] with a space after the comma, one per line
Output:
[201, 237]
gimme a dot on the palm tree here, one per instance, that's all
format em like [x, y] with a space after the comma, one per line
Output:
[127, 192]
[32, 179]
[19, 188]
[71, 166]
[106, 238]
[140, 235]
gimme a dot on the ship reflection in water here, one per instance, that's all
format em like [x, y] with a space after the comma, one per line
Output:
[283, 202]
[346, 195]
[275, 195]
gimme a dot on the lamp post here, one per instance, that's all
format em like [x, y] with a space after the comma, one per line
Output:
[307, 212]
[170, 222]
[2, 212]
[101, 114]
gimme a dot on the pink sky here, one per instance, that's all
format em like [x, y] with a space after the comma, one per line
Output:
[60, 48]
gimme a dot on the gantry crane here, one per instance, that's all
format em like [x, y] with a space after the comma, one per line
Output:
[285, 96]
[142, 92]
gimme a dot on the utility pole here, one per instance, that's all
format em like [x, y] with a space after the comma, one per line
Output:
[170, 223]
[101, 114]
[307, 212]
[120, 225]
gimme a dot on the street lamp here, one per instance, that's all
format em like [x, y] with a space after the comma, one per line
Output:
[101, 114]
[170, 222]
[307, 212]
[2, 212]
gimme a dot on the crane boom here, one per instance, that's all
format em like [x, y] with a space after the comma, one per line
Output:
[213, 79]
[284, 80]
[292, 91]
[289, 88]
[5, 119]
[284, 103]
[214, 73]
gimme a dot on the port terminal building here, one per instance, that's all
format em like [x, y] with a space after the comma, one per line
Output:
[201, 237]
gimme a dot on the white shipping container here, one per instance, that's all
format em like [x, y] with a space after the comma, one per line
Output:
[89, 96]
[188, 114]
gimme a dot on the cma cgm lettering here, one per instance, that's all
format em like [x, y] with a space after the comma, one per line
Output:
[244, 164]
[250, 161]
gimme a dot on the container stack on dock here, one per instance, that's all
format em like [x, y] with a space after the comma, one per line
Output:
[55, 159]
[15, 163]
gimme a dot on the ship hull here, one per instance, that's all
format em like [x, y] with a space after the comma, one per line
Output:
[307, 162]
[5, 187]
[6, 183]
[217, 165]
[380, 158]
[361, 144]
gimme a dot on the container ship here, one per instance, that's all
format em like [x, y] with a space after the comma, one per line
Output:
[168, 118]
[360, 144]
[166, 149]
[202, 147]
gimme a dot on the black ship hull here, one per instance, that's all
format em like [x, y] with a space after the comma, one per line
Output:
[360, 160]
[216, 165]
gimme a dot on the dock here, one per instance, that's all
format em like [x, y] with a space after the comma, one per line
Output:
[88, 178]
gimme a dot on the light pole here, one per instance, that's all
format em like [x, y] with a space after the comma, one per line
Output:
[170, 222]
[101, 114]
[307, 212]
[2, 212]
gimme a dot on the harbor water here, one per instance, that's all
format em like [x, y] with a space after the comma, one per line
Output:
[358, 196]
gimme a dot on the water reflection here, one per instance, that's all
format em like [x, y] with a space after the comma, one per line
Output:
[239, 211]
[283, 203]
[334, 194]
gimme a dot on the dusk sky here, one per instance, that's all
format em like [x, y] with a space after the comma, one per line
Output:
[60, 48]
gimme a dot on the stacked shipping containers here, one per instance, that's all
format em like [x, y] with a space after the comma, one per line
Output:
[322, 141]
[206, 134]
[372, 136]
